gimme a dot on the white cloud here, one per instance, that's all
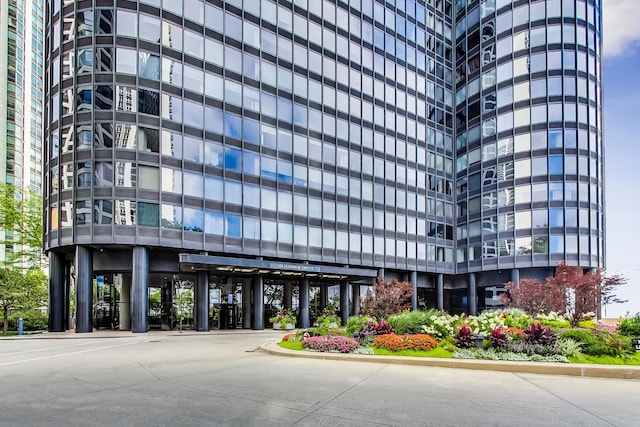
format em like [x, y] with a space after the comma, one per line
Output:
[621, 31]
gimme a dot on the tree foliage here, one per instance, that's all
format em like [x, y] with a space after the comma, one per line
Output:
[569, 290]
[21, 220]
[21, 290]
[387, 298]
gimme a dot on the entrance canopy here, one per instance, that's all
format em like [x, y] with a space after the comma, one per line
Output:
[227, 265]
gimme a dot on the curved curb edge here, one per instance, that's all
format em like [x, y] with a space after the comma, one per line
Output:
[577, 370]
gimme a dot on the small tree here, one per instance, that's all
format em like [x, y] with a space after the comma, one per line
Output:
[569, 290]
[534, 297]
[387, 298]
[21, 221]
[20, 291]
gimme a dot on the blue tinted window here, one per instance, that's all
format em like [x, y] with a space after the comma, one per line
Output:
[233, 159]
[555, 165]
[213, 120]
[269, 168]
[556, 217]
[214, 223]
[193, 219]
[233, 226]
[556, 244]
[193, 114]
[233, 126]
[285, 171]
[251, 163]
[251, 131]
[300, 115]
[555, 139]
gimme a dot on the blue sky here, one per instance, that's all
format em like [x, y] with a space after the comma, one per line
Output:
[621, 62]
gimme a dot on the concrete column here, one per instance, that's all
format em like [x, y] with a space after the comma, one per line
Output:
[440, 291]
[84, 289]
[473, 300]
[305, 320]
[140, 290]
[57, 292]
[202, 301]
[355, 292]
[67, 295]
[414, 288]
[381, 272]
[125, 302]
[287, 296]
[257, 319]
[246, 304]
[515, 277]
[324, 295]
[344, 301]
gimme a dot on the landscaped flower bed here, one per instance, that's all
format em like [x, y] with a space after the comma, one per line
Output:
[493, 335]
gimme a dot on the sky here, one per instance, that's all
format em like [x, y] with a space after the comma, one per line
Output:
[621, 72]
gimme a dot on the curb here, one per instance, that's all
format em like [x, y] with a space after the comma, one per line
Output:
[545, 368]
[124, 334]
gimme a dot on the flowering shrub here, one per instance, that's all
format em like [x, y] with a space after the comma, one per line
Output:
[331, 343]
[395, 342]
[464, 339]
[441, 326]
[485, 322]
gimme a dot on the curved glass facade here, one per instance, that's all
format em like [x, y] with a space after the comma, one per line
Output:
[311, 131]
[421, 137]
[529, 155]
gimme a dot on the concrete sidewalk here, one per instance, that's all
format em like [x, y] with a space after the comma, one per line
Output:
[571, 369]
[128, 334]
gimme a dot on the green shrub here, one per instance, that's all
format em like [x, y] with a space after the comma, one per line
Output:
[33, 320]
[630, 327]
[599, 342]
[449, 344]
[354, 323]
[555, 324]
[514, 317]
[569, 347]
[411, 322]
[587, 324]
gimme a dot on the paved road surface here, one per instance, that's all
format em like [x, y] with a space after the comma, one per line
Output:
[212, 380]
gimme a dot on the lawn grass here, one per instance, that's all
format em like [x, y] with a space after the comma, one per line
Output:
[633, 360]
[436, 352]
[291, 345]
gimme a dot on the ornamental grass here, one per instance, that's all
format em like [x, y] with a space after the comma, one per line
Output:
[395, 342]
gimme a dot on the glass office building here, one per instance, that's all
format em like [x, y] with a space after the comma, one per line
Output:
[21, 99]
[312, 144]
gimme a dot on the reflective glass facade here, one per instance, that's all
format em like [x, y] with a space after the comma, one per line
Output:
[529, 155]
[21, 96]
[428, 136]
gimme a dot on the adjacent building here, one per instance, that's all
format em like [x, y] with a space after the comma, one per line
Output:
[21, 99]
[311, 146]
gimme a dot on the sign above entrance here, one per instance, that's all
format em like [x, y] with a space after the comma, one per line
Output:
[192, 262]
[294, 267]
